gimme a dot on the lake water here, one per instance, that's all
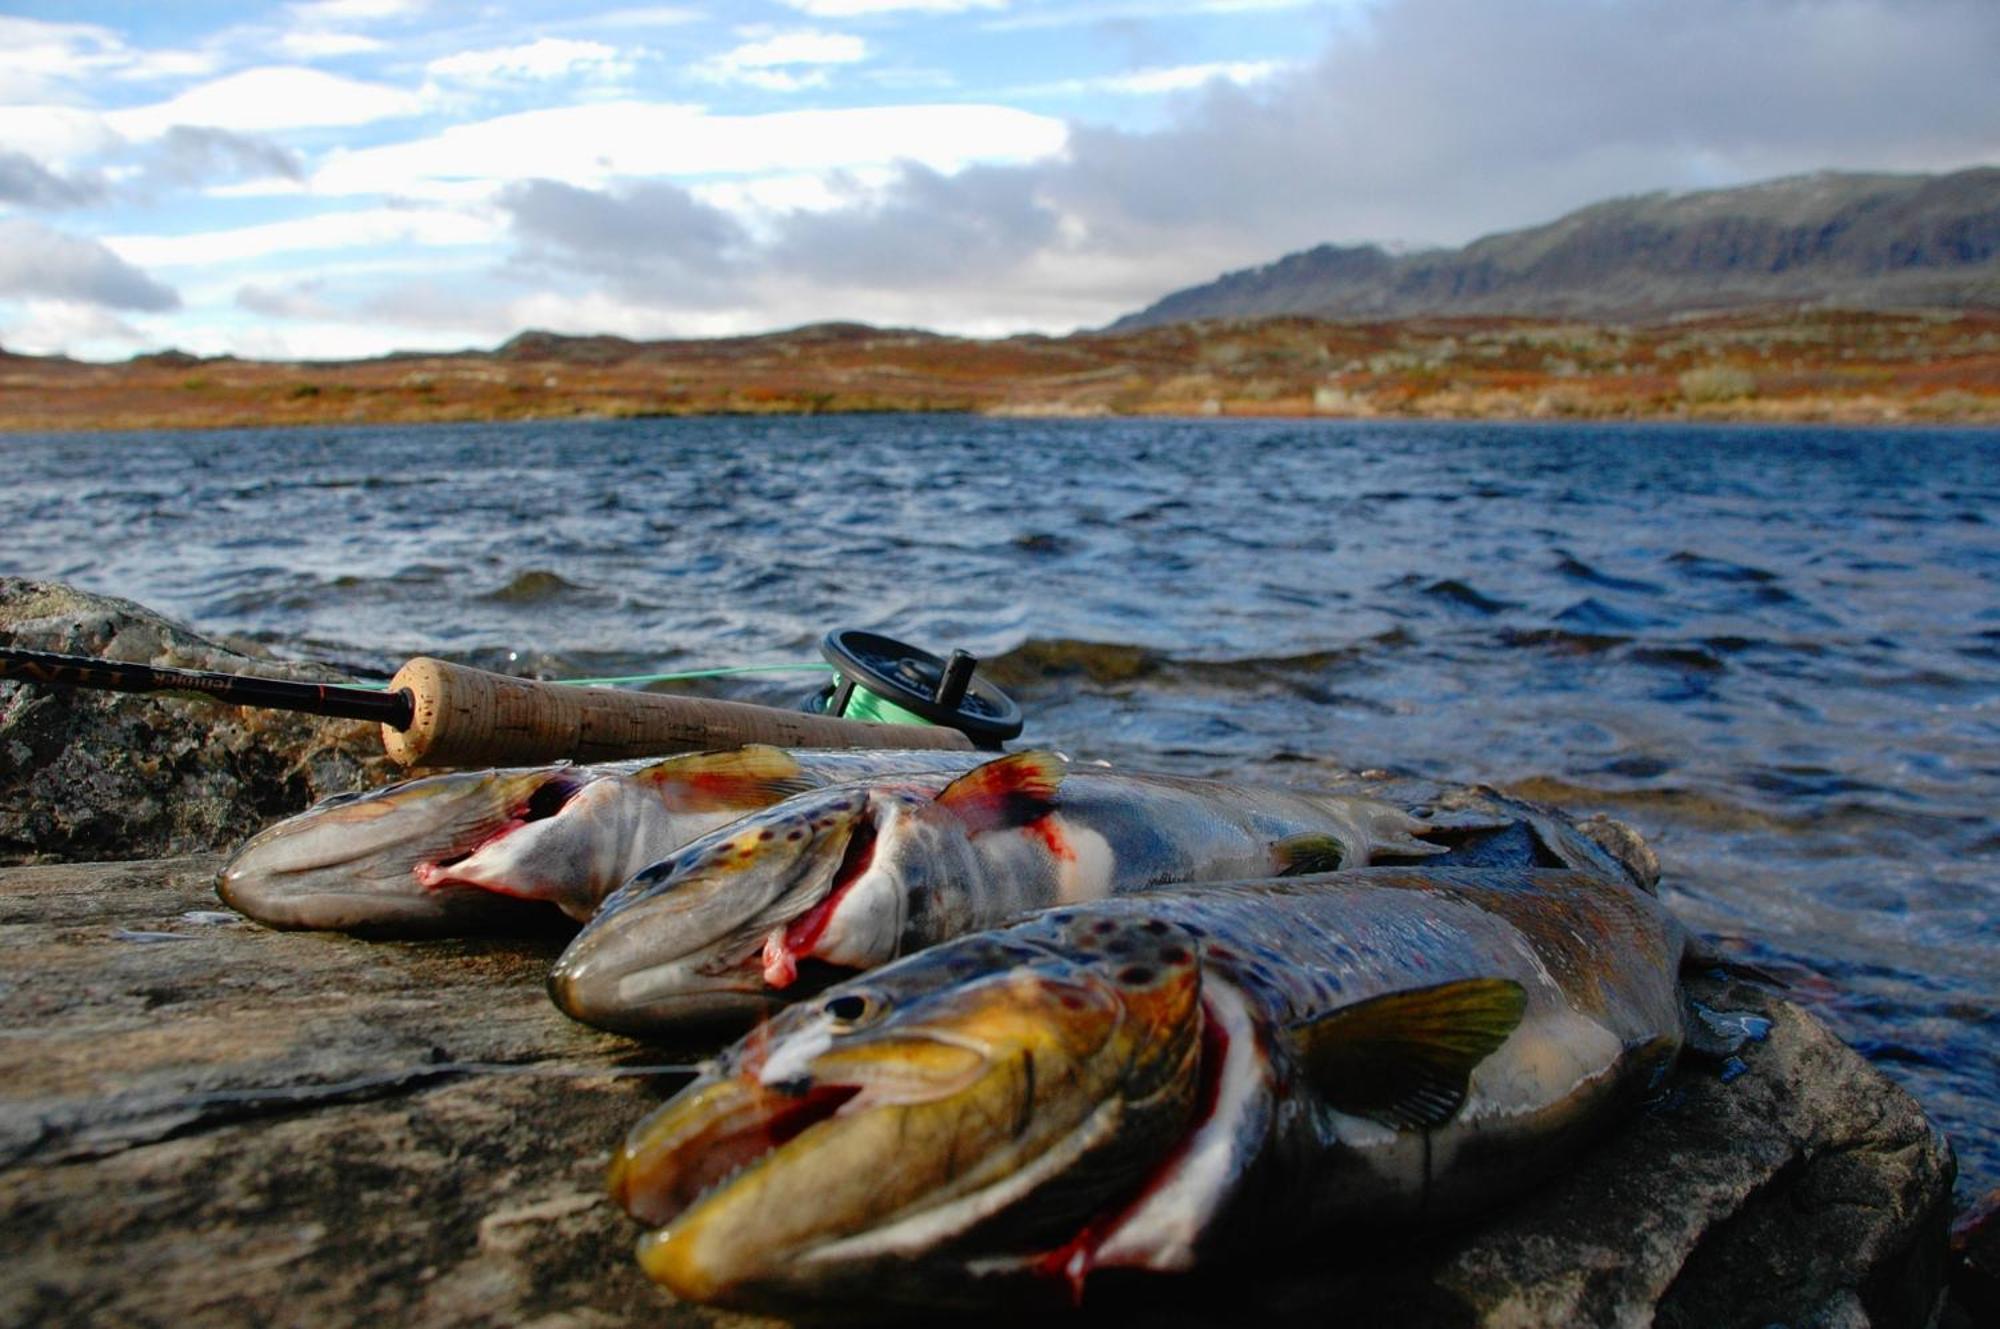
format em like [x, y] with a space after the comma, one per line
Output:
[1774, 651]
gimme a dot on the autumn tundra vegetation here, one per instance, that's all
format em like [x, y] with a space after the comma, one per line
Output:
[1772, 364]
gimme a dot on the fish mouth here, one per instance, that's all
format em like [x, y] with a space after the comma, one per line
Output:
[544, 802]
[381, 860]
[741, 1181]
[809, 1157]
[688, 940]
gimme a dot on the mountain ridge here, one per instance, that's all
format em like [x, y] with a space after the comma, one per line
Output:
[1863, 240]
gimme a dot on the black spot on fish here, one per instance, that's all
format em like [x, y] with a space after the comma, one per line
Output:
[1156, 927]
[1174, 955]
[1135, 974]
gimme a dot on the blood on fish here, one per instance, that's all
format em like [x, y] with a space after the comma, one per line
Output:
[1074, 1259]
[785, 947]
[1051, 835]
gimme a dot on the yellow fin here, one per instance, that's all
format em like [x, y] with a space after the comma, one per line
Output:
[1403, 1058]
[755, 775]
[1312, 851]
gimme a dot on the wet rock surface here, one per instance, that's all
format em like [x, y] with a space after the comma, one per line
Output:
[207, 1122]
[103, 776]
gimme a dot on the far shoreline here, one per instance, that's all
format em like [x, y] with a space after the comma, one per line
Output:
[1782, 366]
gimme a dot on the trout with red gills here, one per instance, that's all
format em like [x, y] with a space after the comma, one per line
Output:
[1159, 1082]
[849, 877]
[475, 849]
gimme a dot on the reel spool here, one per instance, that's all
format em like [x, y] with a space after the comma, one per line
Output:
[891, 682]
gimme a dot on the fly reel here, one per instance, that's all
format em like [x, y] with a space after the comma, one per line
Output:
[891, 682]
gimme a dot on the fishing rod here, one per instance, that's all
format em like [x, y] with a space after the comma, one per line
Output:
[435, 713]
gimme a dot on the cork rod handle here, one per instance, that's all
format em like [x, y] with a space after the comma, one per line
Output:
[468, 717]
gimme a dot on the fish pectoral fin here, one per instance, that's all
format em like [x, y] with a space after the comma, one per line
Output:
[1403, 1058]
[1006, 792]
[1313, 851]
[755, 775]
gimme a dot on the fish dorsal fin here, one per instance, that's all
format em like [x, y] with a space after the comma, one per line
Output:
[1005, 792]
[1312, 851]
[755, 775]
[1403, 1059]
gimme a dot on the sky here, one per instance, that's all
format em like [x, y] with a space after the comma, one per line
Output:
[342, 178]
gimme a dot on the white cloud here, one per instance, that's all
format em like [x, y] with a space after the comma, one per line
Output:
[56, 135]
[798, 48]
[273, 97]
[585, 312]
[783, 62]
[243, 333]
[63, 327]
[318, 45]
[1162, 79]
[37, 57]
[1067, 14]
[547, 58]
[645, 16]
[865, 8]
[592, 143]
[355, 11]
[756, 199]
[363, 229]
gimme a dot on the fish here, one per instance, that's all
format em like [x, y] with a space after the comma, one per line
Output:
[1161, 1082]
[851, 876]
[473, 850]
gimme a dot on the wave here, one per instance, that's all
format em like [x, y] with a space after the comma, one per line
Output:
[1570, 566]
[1110, 664]
[539, 586]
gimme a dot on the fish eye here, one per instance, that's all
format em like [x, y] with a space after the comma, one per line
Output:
[851, 1008]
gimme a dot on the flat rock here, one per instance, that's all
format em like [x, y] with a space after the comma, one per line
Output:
[206, 1122]
[102, 775]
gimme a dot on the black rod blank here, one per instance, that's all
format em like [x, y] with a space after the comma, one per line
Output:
[82, 671]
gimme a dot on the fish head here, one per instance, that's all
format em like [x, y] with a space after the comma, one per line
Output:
[717, 931]
[379, 861]
[986, 1100]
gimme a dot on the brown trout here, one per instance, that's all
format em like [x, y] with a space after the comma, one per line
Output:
[473, 849]
[850, 876]
[1161, 1081]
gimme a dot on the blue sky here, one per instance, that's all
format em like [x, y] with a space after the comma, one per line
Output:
[349, 177]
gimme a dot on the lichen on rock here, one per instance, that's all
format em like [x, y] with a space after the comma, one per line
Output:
[108, 776]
